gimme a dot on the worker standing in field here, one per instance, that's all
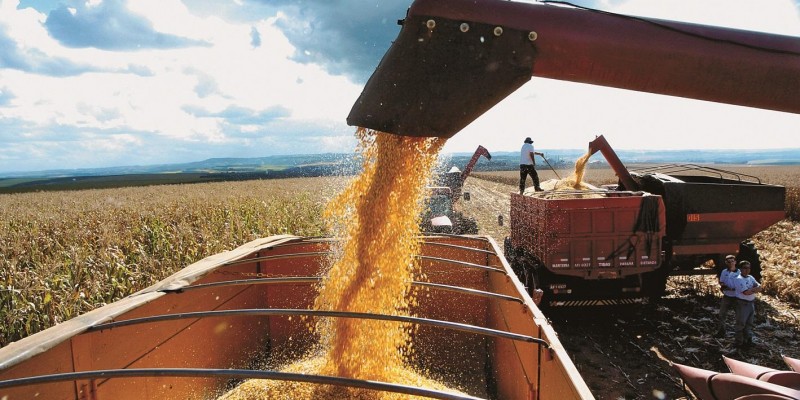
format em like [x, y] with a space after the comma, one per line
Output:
[527, 165]
[728, 301]
[746, 288]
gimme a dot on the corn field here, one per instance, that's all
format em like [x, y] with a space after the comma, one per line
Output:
[65, 253]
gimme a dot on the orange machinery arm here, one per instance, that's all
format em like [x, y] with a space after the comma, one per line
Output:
[601, 144]
[455, 59]
[480, 151]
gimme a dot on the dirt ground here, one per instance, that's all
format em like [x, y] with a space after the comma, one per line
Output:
[626, 353]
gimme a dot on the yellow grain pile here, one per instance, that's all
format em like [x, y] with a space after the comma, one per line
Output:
[287, 390]
[377, 216]
[572, 182]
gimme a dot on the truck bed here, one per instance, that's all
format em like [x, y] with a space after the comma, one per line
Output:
[205, 328]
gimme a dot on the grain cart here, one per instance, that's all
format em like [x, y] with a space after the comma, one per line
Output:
[619, 244]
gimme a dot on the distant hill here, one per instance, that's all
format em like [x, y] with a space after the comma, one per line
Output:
[211, 170]
[307, 165]
[211, 165]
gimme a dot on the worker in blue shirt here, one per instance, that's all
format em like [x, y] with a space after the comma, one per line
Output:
[728, 301]
[746, 288]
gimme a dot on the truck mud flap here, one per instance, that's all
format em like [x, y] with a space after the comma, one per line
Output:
[598, 302]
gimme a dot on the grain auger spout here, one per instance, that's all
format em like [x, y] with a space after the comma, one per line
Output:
[601, 144]
[455, 59]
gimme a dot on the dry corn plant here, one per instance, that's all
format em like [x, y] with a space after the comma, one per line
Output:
[779, 247]
[793, 203]
[65, 253]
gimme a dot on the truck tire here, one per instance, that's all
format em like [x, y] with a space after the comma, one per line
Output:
[465, 225]
[521, 265]
[654, 284]
[513, 257]
[507, 248]
[748, 251]
[719, 264]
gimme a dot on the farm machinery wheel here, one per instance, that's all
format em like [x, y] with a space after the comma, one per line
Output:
[748, 251]
[719, 264]
[464, 225]
[654, 284]
[523, 265]
[514, 258]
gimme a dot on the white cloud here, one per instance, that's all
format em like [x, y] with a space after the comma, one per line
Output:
[173, 17]
[96, 114]
[229, 72]
[773, 16]
[25, 25]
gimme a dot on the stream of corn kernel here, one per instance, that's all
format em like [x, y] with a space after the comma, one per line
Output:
[572, 182]
[377, 216]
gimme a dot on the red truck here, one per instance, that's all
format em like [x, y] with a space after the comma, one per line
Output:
[618, 245]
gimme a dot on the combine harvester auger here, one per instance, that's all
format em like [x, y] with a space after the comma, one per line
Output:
[455, 59]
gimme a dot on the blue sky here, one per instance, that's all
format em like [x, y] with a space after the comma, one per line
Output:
[102, 83]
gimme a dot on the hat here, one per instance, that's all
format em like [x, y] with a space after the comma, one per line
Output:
[528, 140]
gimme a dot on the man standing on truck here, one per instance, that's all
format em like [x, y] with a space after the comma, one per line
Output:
[728, 301]
[527, 165]
[746, 288]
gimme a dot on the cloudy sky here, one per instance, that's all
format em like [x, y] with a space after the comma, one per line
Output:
[97, 83]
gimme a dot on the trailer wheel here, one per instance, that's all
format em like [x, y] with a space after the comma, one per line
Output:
[522, 266]
[748, 251]
[654, 284]
[513, 258]
[464, 225]
[526, 279]
[719, 264]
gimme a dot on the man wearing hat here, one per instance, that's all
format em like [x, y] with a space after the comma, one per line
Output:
[527, 165]
[746, 288]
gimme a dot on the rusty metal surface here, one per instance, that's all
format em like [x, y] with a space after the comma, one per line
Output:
[590, 238]
[435, 81]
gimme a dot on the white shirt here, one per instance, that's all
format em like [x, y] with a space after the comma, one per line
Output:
[525, 154]
[726, 278]
[742, 283]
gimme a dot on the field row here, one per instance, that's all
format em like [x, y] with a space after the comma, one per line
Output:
[65, 253]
